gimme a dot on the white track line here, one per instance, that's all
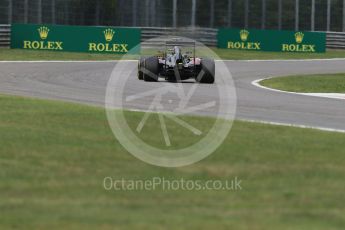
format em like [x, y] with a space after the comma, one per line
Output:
[295, 125]
[338, 96]
[257, 84]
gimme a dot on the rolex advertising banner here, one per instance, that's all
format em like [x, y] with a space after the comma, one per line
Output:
[272, 40]
[76, 38]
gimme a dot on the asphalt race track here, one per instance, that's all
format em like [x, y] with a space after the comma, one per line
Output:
[85, 82]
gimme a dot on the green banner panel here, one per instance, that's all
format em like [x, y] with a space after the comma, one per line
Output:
[76, 38]
[272, 40]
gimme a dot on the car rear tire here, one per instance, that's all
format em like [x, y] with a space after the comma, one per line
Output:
[208, 67]
[140, 64]
[151, 65]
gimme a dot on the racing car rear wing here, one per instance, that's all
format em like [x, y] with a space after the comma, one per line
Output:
[179, 43]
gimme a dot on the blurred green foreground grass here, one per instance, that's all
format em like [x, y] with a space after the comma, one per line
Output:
[54, 157]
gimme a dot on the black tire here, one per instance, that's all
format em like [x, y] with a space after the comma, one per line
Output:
[140, 64]
[208, 67]
[152, 66]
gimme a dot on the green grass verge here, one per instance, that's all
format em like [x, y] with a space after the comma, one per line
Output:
[321, 83]
[26, 55]
[33, 55]
[54, 157]
[256, 55]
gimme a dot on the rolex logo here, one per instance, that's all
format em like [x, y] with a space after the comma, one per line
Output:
[244, 35]
[107, 46]
[43, 31]
[299, 46]
[109, 34]
[299, 37]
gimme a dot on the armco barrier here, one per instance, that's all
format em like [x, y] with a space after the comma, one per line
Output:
[335, 40]
[5, 33]
[208, 36]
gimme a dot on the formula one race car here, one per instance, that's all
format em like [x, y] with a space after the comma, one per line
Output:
[174, 65]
